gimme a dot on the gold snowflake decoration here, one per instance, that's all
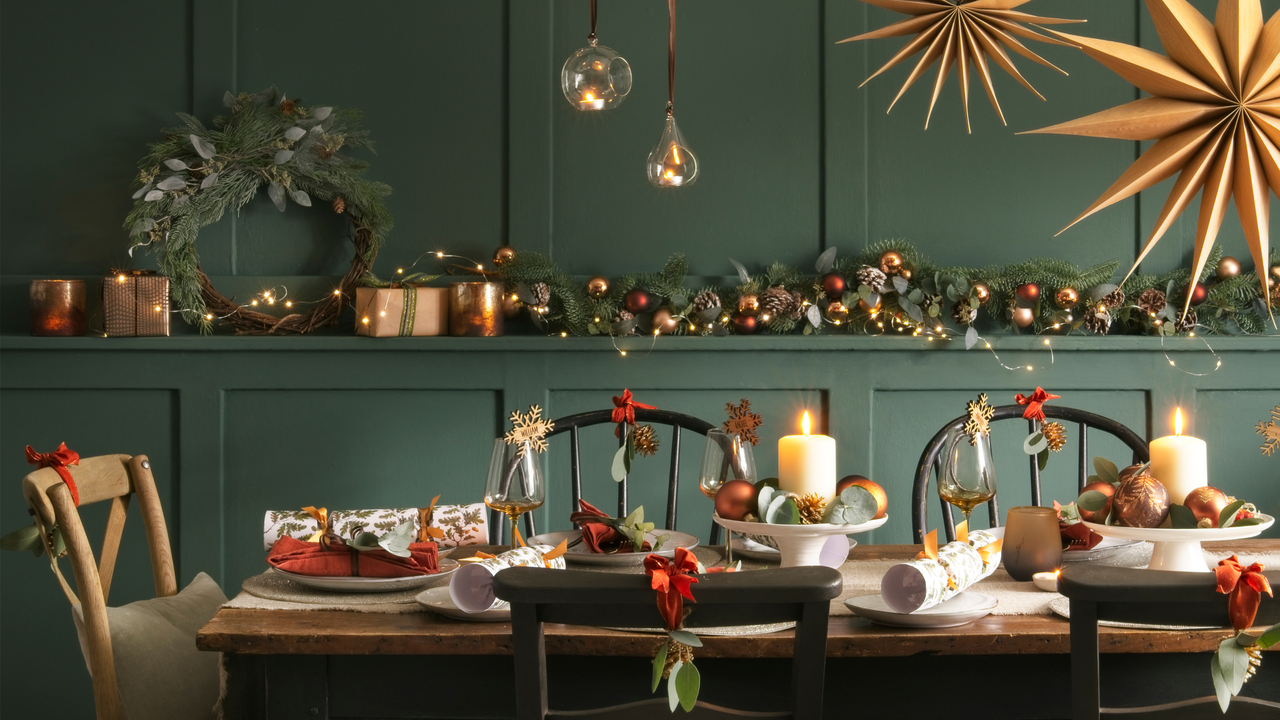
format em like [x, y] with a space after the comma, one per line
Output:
[980, 414]
[742, 422]
[1270, 432]
[529, 427]
[645, 441]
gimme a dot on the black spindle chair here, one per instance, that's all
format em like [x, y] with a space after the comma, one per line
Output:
[572, 424]
[800, 594]
[1163, 598]
[931, 461]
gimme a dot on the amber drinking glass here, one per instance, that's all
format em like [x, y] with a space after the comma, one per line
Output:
[515, 485]
[967, 477]
[1032, 542]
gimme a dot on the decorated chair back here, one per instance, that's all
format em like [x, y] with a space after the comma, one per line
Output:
[105, 477]
[571, 424]
[930, 466]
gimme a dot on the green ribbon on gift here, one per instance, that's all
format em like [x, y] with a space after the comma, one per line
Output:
[410, 309]
[410, 283]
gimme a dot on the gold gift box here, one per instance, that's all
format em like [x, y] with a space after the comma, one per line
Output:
[135, 303]
[402, 311]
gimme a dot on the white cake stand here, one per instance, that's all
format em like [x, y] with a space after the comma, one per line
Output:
[1178, 549]
[800, 545]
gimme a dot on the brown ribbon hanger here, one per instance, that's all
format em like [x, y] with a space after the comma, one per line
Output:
[592, 37]
[671, 54]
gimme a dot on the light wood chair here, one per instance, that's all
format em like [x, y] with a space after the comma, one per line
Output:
[105, 477]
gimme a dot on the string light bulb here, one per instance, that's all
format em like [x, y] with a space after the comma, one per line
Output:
[671, 163]
[595, 77]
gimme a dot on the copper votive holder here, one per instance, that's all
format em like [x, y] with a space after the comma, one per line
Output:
[475, 309]
[57, 308]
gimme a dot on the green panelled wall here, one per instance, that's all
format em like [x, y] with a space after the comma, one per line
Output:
[463, 101]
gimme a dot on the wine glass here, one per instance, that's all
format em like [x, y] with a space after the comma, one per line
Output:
[515, 485]
[967, 477]
[724, 458]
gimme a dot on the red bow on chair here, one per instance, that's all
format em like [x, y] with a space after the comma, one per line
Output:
[672, 581]
[1245, 585]
[58, 460]
[1035, 403]
[624, 411]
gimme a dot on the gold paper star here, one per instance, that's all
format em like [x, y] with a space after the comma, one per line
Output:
[742, 422]
[964, 33]
[530, 428]
[980, 414]
[1215, 110]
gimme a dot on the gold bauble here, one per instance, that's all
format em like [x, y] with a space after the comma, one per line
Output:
[867, 307]
[837, 311]
[664, 322]
[503, 254]
[984, 293]
[1023, 317]
[1275, 273]
[1067, 298]
[749, 304]
[598, 287]
[905, 273]
[891, 262]
[1228, 267]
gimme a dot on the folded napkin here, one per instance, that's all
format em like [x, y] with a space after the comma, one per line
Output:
[309, 558]
[598, 536]
[456, 524]
[1078, 537]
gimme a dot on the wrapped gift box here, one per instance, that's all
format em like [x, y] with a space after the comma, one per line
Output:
[135, 303]
[402, 311]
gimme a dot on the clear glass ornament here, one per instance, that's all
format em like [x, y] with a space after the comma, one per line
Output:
[672, 163]
[595, 78]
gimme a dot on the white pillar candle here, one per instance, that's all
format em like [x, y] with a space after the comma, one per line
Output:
[1179, 462]
[807, 463]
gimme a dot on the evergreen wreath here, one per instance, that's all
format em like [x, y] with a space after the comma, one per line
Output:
[189, 179]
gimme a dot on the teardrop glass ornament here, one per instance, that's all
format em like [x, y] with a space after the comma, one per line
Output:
[595, 78]
[672, 163]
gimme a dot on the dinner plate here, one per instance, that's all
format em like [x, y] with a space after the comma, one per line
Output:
[580, 554]
[437, 600]
[753, 550]
[959, 610]
[1109, 546]
[367, 584]
[1062, 606]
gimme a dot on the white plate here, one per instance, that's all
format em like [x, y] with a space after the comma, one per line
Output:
[369, 585]
[437, 600]
[1109, 546]
[1182, 534]
[748, 548]
[1062, 606]
[959, 610]
[580, 554]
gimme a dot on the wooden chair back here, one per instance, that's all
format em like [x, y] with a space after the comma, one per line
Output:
[537, 596]
[572, 424]
[111, 478]
[1160, 598]
[930, 465]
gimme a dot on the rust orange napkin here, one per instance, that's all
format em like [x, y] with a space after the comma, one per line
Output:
[598, 536]
[308, 558]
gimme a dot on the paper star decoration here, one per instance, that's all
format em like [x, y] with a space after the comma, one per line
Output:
[742, 422]
[1270, 432]
[531, 428]
[962, 33]
[1215, 112]
[980, 414]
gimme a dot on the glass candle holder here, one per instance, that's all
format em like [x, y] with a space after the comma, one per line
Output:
[475, 309]
[57, 308]
[1032, 542]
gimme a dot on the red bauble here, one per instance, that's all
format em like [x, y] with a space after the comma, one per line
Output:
[735, 499]
[877, 492]
[1206, 502]
[638, 301]
[1029, 292]
[1097, 516]
[1199, 293]
[745, 324]
[833, 285]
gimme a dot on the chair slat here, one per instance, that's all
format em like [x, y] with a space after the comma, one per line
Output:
[111, 542]
[673, 489]
[1035, 469]
[622, 486]
[575, 465]
[1084, 455]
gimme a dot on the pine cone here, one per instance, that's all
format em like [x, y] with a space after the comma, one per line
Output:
[1114, 299]
[645, 440]
[964, 313]
[705, 299]
[1056, 435]
[287, 107]
[776, 302]
[676, 650]
[623, 316]
[811, 507]
[797, 305]
[1186, 322]
[1097, 319]
[872, 278]
[339, 205]
[541, 294]
[1152, 301]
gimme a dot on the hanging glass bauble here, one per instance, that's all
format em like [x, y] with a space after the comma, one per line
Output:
[672, 163]
[595, 78]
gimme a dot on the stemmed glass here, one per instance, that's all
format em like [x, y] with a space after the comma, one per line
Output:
[515, 485]
[725, 458]
[967, 477]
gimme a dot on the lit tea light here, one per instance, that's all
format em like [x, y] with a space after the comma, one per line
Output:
[1047, 581]
[590, 102]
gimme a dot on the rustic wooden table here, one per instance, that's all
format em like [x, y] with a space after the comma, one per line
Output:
[311, 660]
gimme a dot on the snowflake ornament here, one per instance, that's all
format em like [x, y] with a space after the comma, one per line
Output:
[742, 422]
[980, 414]
[1270, 432]
[531, 428]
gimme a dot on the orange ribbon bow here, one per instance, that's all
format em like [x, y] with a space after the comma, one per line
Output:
[1035, 403]
[58, 460]
[668, 575]
[624, 411]
[1244, 587]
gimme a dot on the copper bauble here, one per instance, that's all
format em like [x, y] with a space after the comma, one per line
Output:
[1023, 317]
[735, 499]
[638, 301]
[833, 285]
[1029, 292]
[1199, 294]
[664, 322]
[877, 492]
[865, 306]
[905, 273]
[1141, 501]
[748, 303]
[1067, 298]
[1097, 516]
[503, 254]
[1207, 502]
[745, 324]
[1130, 471]
[891, 262]
[598, 287]
[1228, 267]
[837, 312]
[983, 292]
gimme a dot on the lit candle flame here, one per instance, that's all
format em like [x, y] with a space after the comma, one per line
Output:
[588, 97]
[804, 423]
[1177, 422]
